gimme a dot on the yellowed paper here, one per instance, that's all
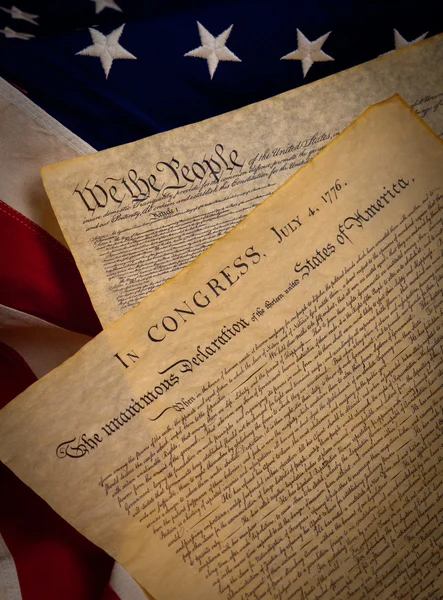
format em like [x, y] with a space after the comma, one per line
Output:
[135, 215]
[267, 424]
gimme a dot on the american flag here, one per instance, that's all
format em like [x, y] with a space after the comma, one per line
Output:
[91, 74]
[114, 71]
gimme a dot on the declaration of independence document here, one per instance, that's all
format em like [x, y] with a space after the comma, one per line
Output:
[268, 423]
[135, 215]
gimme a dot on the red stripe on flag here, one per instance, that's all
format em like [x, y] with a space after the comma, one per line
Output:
[39, 276]
[109, 594]
[53, 560]
[16, 375]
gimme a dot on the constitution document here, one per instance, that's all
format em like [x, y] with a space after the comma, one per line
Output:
[135, 215]
[267, 424]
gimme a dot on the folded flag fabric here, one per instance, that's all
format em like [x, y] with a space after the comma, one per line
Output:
[111, 72]
[114, 71]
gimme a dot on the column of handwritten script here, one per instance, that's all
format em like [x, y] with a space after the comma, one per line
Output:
[316, 469]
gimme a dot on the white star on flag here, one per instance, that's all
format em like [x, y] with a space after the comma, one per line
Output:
[10, 33]
[400, 41]
[308, 52]
[102, 4]
[16, 13]
[106, 48]
[213, 49]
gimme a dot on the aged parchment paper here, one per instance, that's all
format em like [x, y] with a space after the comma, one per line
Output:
[135, 215]
[267, 424]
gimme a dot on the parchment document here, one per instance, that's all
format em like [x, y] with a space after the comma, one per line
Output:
[268, 423]
[135, 215]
